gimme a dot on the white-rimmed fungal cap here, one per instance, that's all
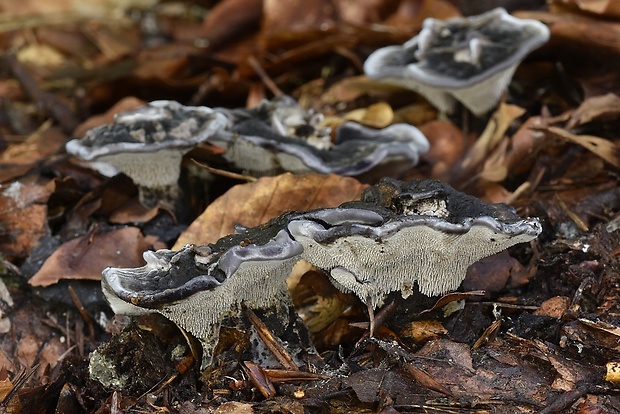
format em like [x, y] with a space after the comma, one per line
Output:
[470, 60]
[279, 136]
[400, 235]
[430, 234]
[198, 286]
[147, 143]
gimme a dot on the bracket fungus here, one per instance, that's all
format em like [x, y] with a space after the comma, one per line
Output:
[279, 136]
[400, 234]
[147, 144]
[428, 234]
[470, 60]
[198, 286]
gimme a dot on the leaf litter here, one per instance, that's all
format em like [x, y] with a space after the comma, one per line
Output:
[542, 338]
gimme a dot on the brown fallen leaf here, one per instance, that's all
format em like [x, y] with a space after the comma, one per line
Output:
[613, 372]
[447, 147]
[326, 311]
[68, 40]
[363, 11]
[492, 273]
[411, 13]
[515, 154]
[423, 331]
[14, 405]
[229, 20]
[602, 326]
[606, 8]
[351, 88]
[50, 355]
[379, 115]
[95, 9]
[40, 55]
[605, 107]
[133, 212]
[607, 150]
[416, 113]
[494, 192]
[594, 333]
[490, 137]
[255, 203]
[233, 407]
[569, 371]
[452, 297]
[85, 257]
[297, 16]
[451, 364]
[554, 307]
[20, 158]
[582, 33]
[426, 380]
[367, 384]
[324, 44]
[23, 214]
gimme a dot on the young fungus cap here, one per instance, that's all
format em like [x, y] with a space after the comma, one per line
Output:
[196, 287]
[429, 235]
[147, 143]
[470, 60]
[280, 136]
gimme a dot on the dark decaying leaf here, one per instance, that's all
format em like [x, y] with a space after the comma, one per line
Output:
[85, 257]
[20, 158]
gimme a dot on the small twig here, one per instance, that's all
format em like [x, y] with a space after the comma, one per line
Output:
[159, 387]
[278, 351]
[506, 305]
[11, 267]
[563, 401]
[351, 57]
[78, 304]
[85, 317]
[378, 319]
[488, 333]
[225, 173]
[573, 216]
[285, 375]
[79, 335]
[259, 378]
[269, 83]
[64, 354]
[22, 379]
[67, 330]
[115, 405]
[46, 101]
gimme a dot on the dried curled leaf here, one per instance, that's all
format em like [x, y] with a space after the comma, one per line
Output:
[607, 150]
[85, 257]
